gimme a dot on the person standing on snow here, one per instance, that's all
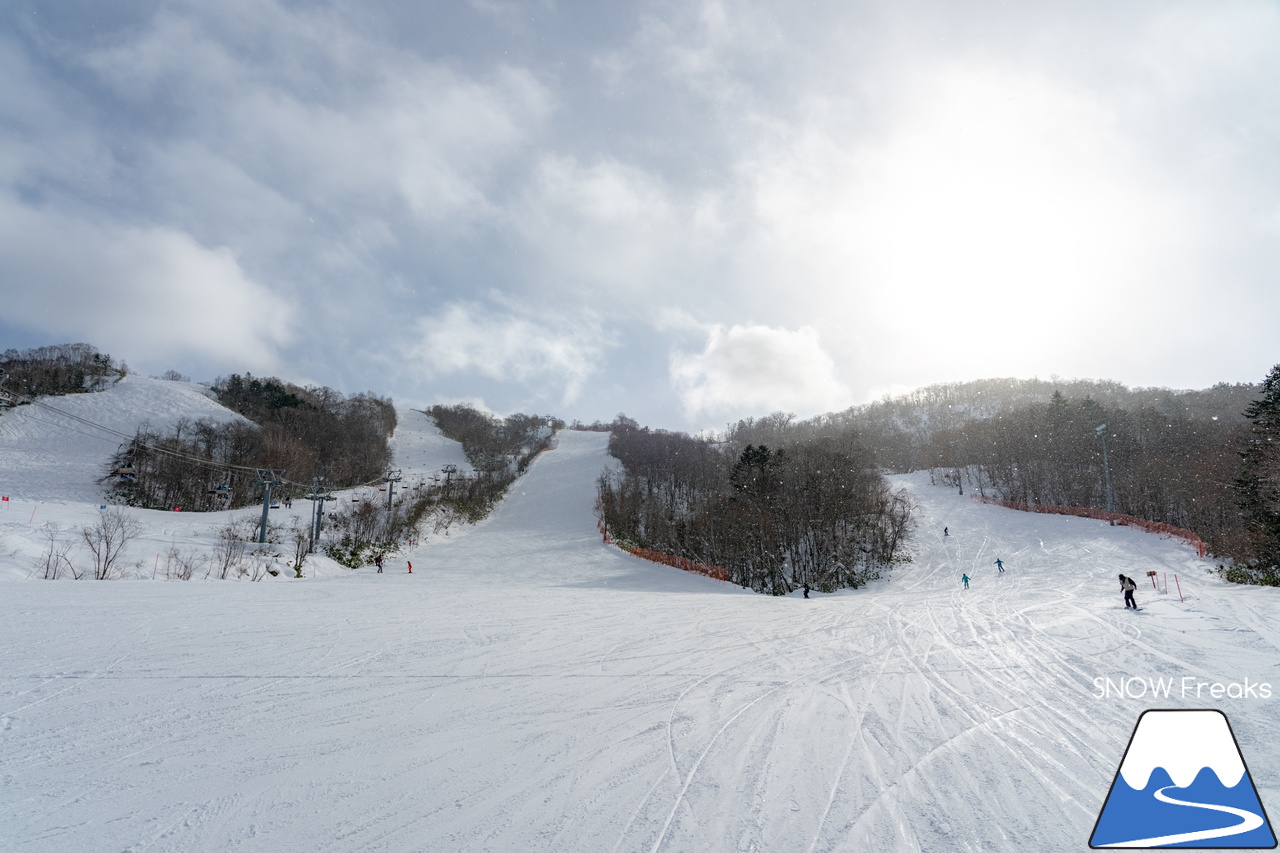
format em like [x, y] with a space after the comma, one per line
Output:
[377, 561]
[966, 581]
[806, 590]
[999, 565]
[410, 562]
[946, 532]
[1129, 587]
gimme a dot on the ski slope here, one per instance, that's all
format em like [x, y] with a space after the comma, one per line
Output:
[528, 688]
[46, 454]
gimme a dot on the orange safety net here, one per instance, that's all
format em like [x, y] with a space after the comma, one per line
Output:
[685, 563]
[1101, 514]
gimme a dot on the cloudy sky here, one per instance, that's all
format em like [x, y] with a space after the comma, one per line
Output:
[688, 211]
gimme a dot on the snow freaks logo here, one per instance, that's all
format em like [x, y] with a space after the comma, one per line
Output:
[1187, 687]
[1183, 783]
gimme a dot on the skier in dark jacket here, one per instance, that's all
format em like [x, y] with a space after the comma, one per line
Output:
[1128, 586]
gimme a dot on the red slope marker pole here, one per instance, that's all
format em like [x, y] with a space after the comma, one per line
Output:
[1175, 581]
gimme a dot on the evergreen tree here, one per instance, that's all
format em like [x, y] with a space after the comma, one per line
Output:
[756, 472]
[1259, 481]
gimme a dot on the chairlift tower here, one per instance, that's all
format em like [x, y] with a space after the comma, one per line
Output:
[267, 477]
[391, 479]
[318, 496]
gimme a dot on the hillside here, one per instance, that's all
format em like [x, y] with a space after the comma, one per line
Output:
[51, 465]
[48, 456]
[529, 688]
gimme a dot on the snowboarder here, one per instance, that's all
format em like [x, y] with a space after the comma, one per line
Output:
[410, 562]
[1000, 565]
[1128, 586]
[965, 578]
[377, 561]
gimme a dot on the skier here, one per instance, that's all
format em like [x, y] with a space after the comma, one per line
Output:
[966, 581]
[946, 532]
[410, 562]
[999, 565]
[377, 561]
[1128, 586]
[806, 590]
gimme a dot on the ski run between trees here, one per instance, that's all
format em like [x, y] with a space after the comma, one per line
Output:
[530, 688]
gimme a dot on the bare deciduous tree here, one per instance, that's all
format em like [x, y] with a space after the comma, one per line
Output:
[300, 538]
[53, 561]
[182, 565]
[228, 551]
[108, 537]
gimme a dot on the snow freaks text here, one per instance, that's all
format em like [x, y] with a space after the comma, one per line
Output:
[1186, 687]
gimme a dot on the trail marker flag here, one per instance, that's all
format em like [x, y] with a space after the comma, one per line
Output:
[1183, 783]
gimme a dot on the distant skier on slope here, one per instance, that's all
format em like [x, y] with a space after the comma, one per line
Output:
[946, 531]
[965, 578]
[1000, 565]
[806, 590]
[410, 562]
[1129, 587]
[377, 561]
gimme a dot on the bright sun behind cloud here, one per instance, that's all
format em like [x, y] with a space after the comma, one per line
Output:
[994, 210]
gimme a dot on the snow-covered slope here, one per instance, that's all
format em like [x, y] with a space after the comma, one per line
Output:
[528, 688]
[47, 456]
[420, 451]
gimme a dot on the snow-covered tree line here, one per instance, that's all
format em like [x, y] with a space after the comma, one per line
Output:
[809, 511]
[1167, 468]
[499, 449]
[307, 433]
[1173, 456]
[1258, 486]
[58, 369]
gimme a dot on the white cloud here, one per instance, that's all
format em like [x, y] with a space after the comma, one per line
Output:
[130, 289]
[610, 228]
[545, 350]
[326, 115]
[746, 369]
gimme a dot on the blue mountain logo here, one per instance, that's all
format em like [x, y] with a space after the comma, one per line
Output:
[1183, 783]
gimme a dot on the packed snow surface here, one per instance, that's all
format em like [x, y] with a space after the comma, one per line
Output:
[529, 688]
